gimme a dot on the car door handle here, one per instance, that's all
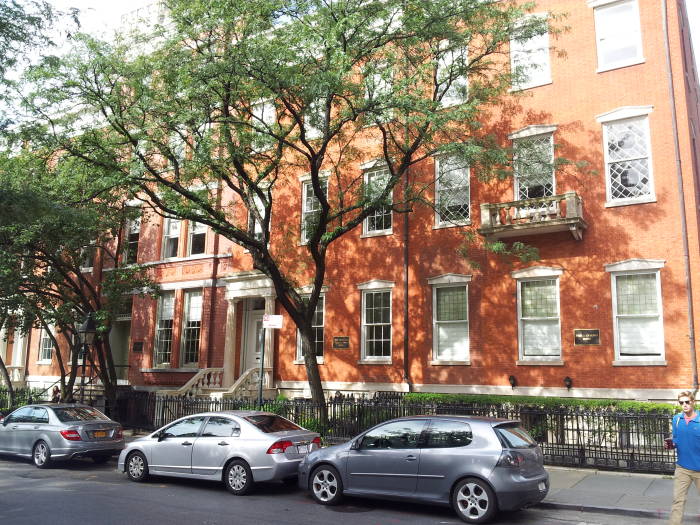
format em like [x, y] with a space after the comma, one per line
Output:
[37, 427]
[411, 458]
[15, 427]
[186, 444]
[223, 443]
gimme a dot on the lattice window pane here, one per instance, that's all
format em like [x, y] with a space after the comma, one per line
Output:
[377, 320]
[380, 219]
[636, 294]
[534, 169]
[629, 170]
[538, 299]
[452, 190]
[451, 303]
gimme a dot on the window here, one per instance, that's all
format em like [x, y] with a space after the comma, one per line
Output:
[534, 166]
[45, 346]
[310, 207]
[192, 325]
[317, 328]
[131, 244]
[221, 427]
[451, 191]
[448, 434]
[450, 324]
[378, 222]
[529, 61]
[452, 84]
[628, 167]
[315, 120]
[197, 238]
[255, 227]
[186, 428]
[638, 324]
[618, 33]
[539, 331]
[164, 330]
[376, 325]
[396, 435]
[176, 147]
[378, 86]
[171, 237]
[87, 258]
[264, 115]
[39, 415]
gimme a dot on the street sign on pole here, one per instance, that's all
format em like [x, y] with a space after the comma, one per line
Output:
[272, 321]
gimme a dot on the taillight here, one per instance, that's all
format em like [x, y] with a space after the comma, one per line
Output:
[511, 459]
[315, 443]
[118, 434]
[279, 447]
[71, 435]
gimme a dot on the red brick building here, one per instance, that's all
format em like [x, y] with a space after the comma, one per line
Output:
[606, 311]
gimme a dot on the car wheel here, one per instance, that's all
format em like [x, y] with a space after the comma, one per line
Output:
[137, 467]
[238, 477]
[326, 485]
[100, 460]
[41, 454]
[474, 501]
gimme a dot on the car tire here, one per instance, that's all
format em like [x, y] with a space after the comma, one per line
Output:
[238, 477]
[100, 460]
[326, 486]
[474, 501]
[136, 467]
[41, 454]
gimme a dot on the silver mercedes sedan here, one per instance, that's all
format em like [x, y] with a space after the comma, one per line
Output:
[237, 447]
[51, 432]
[477, 465]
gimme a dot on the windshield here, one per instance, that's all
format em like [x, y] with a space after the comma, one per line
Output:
[79, 414]
[515, 436]
[269, 423]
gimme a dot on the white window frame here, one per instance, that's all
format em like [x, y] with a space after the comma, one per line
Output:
[451, 95]
[376, 86]
[532, 57]
[195, 228]
[186, 313]
[638, 267]
[166, 236]
[132, 226]
[254, 226]
[450, 280]
[44, 342]
[537, 273]
[319, 358]
[439, 189]
[305, 211]
[622, 114]
[376, 286]
[366, 232]
[264, 113]
[600, 7]
[159, 330]
[529, 133]
[88, 251]
[314, 111]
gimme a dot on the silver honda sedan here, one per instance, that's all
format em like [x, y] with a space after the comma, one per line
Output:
[237, 447]
[51, 432]
[477, 465]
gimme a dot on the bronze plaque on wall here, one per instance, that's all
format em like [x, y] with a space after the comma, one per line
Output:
[137, 348]
[342, 341]
[587, 336]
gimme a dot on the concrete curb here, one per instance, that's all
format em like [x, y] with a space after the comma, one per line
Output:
[637, 513]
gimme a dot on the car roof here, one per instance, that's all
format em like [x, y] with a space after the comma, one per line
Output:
[459, 417]
[58, 405]
[239, 413]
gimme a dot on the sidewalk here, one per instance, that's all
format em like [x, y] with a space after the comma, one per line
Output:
[640, 495]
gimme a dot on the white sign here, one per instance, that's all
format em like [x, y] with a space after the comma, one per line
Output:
[272, 321]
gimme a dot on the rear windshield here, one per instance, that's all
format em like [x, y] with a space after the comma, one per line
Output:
[270, 423]
[79, 414]
[515, 436]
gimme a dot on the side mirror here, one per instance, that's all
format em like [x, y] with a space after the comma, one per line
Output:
[356, 444]
[236, 432]
[160, 435]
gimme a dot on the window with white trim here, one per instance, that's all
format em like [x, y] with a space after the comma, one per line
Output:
[451, 191]
[87, 257]
[177, 147]
[534, 166]
[317, 328]
[376, 325]
[255, 227]
[529, 61]
[131, 243]
[628, 165]
[264, 114]
[452, 83]
[192, 325]
[171, 237]
[164, 330]
[197, 238]
[450, 323]
[637, 314]
[45, 346]
[315, 119]
[310, 208]
[379, 221]
[618, 33]
[378, 87]
[539, 331]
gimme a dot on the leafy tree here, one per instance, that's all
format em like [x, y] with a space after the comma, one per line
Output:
[212, 116]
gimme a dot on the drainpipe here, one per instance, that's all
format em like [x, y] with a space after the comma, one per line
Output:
[406, 365]
[681, 199]
[214, 277]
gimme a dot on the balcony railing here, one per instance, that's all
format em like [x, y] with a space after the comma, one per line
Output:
[542, 215]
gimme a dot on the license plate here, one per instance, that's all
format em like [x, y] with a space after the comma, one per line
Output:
[542, 486]
[99, 433]
[302, 449]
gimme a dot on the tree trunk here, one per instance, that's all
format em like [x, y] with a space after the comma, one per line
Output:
[314, 377]
[8, 382]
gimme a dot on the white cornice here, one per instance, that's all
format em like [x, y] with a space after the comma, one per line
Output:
[635, 264]
[624, 112]
[537, 271]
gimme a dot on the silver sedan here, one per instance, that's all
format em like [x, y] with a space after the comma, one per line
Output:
[50, 432]
[236, 447]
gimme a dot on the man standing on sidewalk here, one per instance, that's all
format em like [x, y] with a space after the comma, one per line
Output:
[686, 441]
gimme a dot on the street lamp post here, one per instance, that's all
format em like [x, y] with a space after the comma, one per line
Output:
[86, 334]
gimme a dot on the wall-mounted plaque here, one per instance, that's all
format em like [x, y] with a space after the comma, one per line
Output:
[587, 337]
[137, 347]
[342, 341]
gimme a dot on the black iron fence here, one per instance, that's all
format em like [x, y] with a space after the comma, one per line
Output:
[22, 396]
[569, 436]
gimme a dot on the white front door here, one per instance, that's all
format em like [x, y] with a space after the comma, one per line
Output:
[254, 341]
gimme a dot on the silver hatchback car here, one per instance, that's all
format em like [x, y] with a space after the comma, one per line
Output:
[477, 465]
[50, 432]
[237, 447]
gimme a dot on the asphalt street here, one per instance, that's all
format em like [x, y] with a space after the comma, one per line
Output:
[85, 493]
